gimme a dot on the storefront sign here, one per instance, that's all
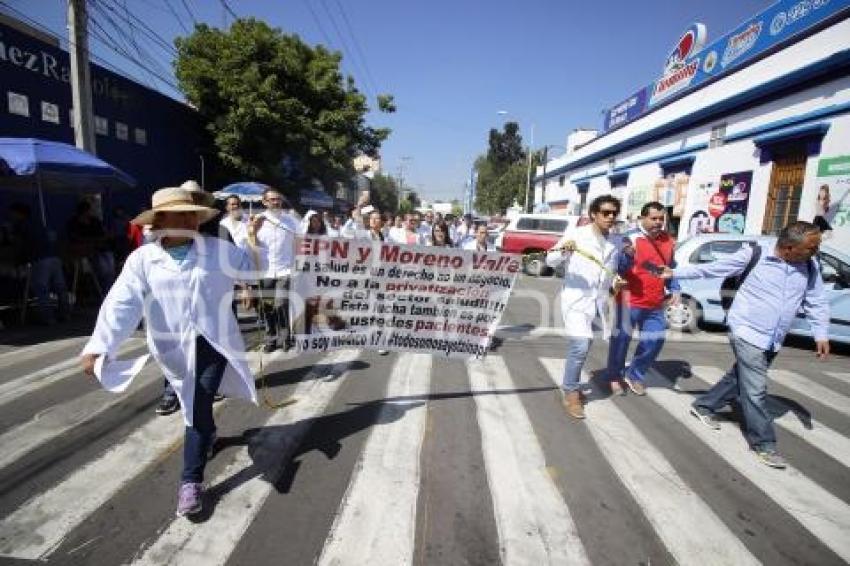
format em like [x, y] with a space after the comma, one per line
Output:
[374, 295]
[778, 24]
[832, 210]
[735, 188]
[626, 111]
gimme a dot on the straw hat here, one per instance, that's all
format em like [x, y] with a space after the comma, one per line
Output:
[174, 199]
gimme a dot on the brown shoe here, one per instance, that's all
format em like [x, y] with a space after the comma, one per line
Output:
[636, 386]
[617, 388]
[572, 403]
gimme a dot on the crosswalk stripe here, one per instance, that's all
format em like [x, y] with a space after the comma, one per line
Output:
[59, 419]
[26, 384]
[381, 530]
[820, 436]
[17, 355]
[213, 541]
[533, 521]
[690, 530]
[823, 514]
[812, 389]
[842, 376]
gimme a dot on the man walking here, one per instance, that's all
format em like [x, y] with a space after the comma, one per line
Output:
[779, 282]
[642, 302]
[590, 255]
[276, 245]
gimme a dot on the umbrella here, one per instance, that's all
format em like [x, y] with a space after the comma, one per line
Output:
[248, 191]
[56, 167]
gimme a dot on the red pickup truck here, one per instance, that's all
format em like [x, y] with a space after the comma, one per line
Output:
[534, 234]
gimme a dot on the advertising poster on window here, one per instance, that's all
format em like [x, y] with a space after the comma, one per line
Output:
[832, 210]
[638, 196]
[381, 296]
[671, 191]
[729, 204]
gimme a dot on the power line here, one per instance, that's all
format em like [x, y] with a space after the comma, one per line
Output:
[345, 49]
[130, 19]
[357, 48]
[189, 11]
[319, 24]
[176, 15]
[229, 10]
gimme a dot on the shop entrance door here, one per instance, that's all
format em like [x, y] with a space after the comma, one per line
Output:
[786, 186]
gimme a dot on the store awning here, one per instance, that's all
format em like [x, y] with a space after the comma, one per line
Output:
[678, 164]
[808, 135]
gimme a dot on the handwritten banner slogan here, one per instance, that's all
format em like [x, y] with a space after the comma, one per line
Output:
[381, 296]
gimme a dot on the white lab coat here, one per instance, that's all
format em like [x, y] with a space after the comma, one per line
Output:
[179, 302]
[585, 292]
[276, 243]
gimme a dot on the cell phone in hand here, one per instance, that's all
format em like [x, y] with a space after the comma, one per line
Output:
[653, 268]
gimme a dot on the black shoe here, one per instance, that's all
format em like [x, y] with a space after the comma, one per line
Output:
[218, 397]
[708, 419]
[167, 405]
[269, 348]
[287, 345]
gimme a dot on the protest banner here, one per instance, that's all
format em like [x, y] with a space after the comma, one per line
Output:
[367, 294]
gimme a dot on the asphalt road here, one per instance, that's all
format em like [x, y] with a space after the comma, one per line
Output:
[415, 459]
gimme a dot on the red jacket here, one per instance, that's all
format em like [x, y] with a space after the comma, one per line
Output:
[644, 289]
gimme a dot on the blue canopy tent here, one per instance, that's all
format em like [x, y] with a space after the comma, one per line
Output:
[247, 191]
[48, 166]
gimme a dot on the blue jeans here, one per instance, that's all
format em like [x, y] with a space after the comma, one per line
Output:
[746, 383]
[577, 349]
[209, 369]
[47, 276]
[652, 327]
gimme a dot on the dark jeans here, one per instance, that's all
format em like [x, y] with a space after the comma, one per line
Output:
[209, 369]
[274, 302]
[746, 383]
[652, 327]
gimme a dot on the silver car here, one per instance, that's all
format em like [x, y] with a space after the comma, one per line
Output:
[701, 297]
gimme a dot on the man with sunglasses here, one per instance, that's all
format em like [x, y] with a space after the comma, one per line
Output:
[589, 255]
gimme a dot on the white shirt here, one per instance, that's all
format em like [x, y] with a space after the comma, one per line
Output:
[238, 228]
[586, 284]
[276, 243]
[472, 244]
[180, 301]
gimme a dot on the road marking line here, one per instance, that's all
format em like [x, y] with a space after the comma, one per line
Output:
[690, 530]
[812, 389]
[60, 419]
[37, 350]
[212, 541]
[381, 530]
[26, 384]
[833, 444]
[532, 519]
[514, 332]
[820, 512]
[839, 375]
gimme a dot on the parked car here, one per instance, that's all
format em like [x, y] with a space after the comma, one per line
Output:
[701, 297]
[534, 234]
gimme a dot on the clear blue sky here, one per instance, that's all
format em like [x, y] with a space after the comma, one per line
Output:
[453, 64]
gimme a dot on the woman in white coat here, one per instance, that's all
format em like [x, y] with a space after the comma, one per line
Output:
[182, 283]
[590, 257]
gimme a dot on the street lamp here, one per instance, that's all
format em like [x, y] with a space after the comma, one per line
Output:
[543, 175]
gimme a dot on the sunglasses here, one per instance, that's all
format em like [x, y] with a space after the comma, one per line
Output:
[608, 212]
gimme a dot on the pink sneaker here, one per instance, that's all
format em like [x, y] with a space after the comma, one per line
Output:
[189, 499]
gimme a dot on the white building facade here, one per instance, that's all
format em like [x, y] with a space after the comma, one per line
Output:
[743, 135]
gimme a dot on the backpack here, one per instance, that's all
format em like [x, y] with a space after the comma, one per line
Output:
[729, 287]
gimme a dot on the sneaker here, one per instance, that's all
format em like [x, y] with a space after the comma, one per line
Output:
[635, 385]
[617, 388]
[189, 499]
[771, 458]
[218, 397]
[269, 348]
[708, 419]
[167, 405]
[211, 447]
[383, 352]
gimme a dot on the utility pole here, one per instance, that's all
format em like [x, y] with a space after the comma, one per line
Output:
[78, 39]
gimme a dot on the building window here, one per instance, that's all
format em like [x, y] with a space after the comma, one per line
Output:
[19, 104]
[561, 180]
[101, 126]
[786, 188]
[49, 112]
[122, 132]
[612, 163]
[141, 136]
[718, 135]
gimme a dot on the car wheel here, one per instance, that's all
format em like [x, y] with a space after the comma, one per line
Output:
[535, 266]
[684, 317]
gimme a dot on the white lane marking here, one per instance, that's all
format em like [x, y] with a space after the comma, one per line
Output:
[532, 519]
[811, 389]
[820, 512]
[17, 355]
[59, 419]
[212, 542]
[842, 376]
[513, 332]
[832, 443]
[26, 384]
[381, 530]
[690, 530]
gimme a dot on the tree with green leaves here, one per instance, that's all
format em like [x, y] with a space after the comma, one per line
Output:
[501, 171]
[276, 109]
[384, 193]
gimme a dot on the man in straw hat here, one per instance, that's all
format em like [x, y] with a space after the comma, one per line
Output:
[182, 284]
